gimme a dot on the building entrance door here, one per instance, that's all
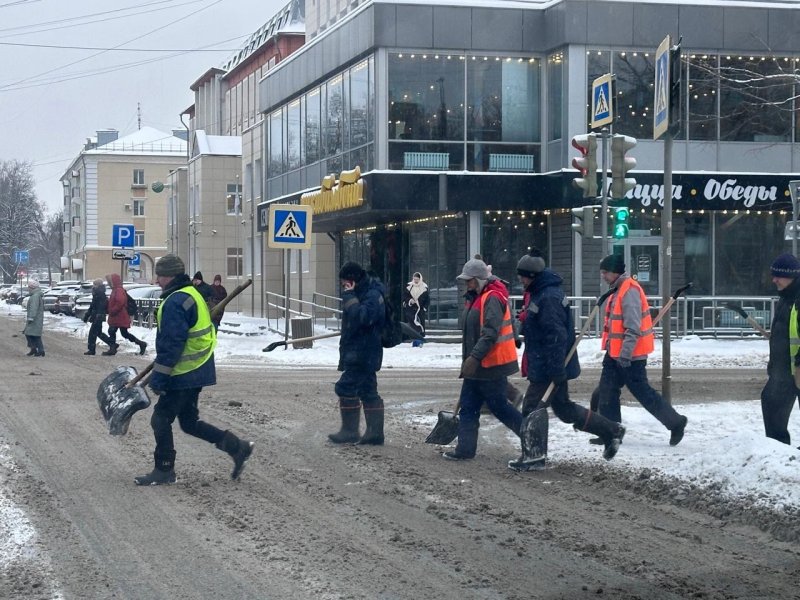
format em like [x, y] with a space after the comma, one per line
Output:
[642, 260]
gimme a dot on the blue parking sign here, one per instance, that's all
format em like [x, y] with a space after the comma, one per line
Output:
[122, 236]
[136, 260]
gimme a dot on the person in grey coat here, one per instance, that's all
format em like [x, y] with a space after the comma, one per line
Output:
[35, 320]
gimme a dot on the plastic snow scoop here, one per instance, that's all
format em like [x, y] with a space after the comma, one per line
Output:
[118, 402]
[446, 428]
[750, 320]
[119, 396]
[283, 343]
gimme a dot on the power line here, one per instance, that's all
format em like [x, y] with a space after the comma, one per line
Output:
[61, 67]
[7, 4]
[124, 49]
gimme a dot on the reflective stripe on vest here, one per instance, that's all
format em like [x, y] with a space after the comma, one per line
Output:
[202, 337]
[614, 331]
[504, 350]
[794, 337]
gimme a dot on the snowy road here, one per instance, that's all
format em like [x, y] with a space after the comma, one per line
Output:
[309, 520]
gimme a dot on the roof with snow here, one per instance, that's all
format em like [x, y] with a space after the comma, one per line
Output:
[146, 140]
[216, 145]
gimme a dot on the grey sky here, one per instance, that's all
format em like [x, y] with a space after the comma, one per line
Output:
[52, 99]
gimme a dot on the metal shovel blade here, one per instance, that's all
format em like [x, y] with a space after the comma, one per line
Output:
[117, 402]
[445, 430]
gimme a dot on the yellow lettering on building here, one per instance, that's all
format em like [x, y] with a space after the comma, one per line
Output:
[333, 195]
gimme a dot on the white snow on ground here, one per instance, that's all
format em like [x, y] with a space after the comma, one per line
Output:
[724, 448]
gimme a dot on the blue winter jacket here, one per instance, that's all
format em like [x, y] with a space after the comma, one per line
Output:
[363, 314]
[173, 331]
[548, 330]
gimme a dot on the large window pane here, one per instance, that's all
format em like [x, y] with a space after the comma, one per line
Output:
[555, 79]
[505, 237]
[275, 143]
[703, 97]
[502, 99]
[359, 101]
[426, 96]
[334, 117]
[313, 127]
[697, 248]
[635, 84]
[745, 246]
[293, 135]
[755, 99]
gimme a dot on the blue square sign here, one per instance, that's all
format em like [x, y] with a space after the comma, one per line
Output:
[122, 236]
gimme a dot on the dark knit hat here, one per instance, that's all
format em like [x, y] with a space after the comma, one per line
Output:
[198, 275]
[218, 277]
[613, 263]
[531, 264]
[786, 265]
[351, 271]
[170, 266]
[474, 268]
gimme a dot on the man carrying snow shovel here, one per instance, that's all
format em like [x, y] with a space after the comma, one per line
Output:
[183, 366]
[490, 356]
[549, 335]
[627, 340]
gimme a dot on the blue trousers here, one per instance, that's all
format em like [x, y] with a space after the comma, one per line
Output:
[360, 383]
[474, 392]
[613, 377]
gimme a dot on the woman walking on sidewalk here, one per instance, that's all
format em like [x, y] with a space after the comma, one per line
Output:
[118, 317]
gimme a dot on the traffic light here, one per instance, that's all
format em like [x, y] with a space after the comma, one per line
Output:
[620, 165]
[585, 224]
[586, 164]
[622, 216]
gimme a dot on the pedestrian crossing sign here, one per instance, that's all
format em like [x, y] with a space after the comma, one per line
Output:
[290, 226]
[602, 101]
[661, 94]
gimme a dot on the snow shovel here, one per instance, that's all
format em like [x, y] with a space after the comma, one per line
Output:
[535, 427]
[119, 396]
[446, 428]
[750, 320]
[283, 343]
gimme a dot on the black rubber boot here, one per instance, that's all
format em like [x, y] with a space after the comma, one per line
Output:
[239, 451]
[676, 433]
[350, 409]
[162, 474]
[373, 415]
[142, 348]
[467, 442]
[533, 442]
[111, 351]
[607, 431]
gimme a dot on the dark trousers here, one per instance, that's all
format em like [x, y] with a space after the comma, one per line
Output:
[183, 405]
[96, 331]
[123, 331]
[474, 392]
[613, 377]
[35, 343]
[777, 401]
[358, 383]
[564, 408]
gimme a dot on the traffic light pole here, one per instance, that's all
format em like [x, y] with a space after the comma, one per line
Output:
[604, 137]
[666, 269]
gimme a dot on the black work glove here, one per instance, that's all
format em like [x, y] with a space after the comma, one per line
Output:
[518, 342]
[624, 362]
[469, 367]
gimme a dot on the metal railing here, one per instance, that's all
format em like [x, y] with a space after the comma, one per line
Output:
[146, 313]
[319, 310]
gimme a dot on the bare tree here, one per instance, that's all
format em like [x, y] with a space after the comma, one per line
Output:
[20, 213]
[47, 251]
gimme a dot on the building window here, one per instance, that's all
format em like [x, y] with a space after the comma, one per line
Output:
[359, 104]
[233, 199]
[426, 96]
[138, 208]
[276, 165]
[634, 89]
[313, 127]
[555, 95]
[293, 135]
[234, 262]
[138, 238]
[138, 177]
[334, 116]
[702, 106]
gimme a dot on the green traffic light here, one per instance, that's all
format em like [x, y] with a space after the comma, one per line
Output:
[620, 231]
[621, 216]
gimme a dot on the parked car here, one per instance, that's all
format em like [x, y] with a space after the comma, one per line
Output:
[84, 300]
[66, 299]
[50, 297]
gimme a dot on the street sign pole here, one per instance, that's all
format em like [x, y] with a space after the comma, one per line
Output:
[794, 190]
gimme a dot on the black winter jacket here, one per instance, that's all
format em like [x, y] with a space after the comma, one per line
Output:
[98, 309]
[779, 361]
[363, 314]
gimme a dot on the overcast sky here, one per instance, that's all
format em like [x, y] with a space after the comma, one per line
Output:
[53, 97]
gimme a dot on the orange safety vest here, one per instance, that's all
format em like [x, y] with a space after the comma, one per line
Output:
[504, 350]
[615, 336]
